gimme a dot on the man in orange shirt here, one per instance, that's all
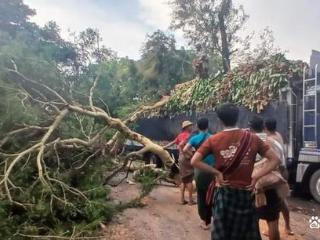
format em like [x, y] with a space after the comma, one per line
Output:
[235, 151]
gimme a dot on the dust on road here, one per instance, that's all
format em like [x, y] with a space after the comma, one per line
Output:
[163, 218]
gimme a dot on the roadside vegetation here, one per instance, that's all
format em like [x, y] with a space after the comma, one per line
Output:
[66, 107]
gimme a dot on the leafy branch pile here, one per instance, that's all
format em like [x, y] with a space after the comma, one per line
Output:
[148, 177]
[252, 85]
[74, 207]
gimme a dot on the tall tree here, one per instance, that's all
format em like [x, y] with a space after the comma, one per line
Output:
[51, 32]
[156, 52]
[89, 50]
[213, 24]
[14, 15]
[263, 49]
[163, 65]
[157, 48]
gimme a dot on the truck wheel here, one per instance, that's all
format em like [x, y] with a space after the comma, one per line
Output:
[314, 185]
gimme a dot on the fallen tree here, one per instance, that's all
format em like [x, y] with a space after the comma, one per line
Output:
[47, 165]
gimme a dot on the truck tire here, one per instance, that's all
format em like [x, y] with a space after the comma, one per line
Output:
[314, 185]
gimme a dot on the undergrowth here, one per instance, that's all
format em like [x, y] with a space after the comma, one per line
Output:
[57, 209]
[148, 178]
[45, 215]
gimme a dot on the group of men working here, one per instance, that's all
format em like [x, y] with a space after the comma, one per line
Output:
[222, 166]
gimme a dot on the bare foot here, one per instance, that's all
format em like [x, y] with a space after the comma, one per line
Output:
[183, 202]
[204, 226]
[288, 231]
[192, 203]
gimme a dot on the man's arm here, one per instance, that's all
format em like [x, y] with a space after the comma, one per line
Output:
[197, 162]
[188, 150]
[272, 163]
[170, 144]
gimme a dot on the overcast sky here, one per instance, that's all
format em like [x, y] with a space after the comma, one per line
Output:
[125, 23]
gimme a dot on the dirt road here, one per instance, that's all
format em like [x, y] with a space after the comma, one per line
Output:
[163, 218]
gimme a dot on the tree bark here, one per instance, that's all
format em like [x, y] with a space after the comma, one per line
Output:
[225, 48]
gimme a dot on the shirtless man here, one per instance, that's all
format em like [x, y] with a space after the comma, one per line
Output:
[270, 211]
[271, 131]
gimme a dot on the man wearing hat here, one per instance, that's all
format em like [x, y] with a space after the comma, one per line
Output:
[186, 170]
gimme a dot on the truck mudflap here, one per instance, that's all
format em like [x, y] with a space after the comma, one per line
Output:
[301, 170]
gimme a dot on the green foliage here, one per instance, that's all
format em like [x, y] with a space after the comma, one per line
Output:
[162, 65]
[12, 112]
[14, 15]
[250, 85]
[118, 85]
[71, 68]
[148, 177]
[58, 214]
[75, 201]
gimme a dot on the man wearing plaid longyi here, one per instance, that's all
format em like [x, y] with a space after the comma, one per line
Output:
[235, 151]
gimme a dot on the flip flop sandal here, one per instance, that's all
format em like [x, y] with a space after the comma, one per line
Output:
[184, 202]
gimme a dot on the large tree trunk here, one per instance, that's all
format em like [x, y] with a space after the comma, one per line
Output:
[225, 48]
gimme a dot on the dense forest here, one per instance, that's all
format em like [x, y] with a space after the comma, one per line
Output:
[67, 105]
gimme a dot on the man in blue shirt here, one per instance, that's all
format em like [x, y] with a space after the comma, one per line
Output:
[203, 179]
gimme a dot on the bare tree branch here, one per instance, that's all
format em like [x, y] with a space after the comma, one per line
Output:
[92, 90]
[19, 131]
[44, 145]
[39, 84]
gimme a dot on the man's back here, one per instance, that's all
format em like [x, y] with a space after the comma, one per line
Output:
[181, 140]
[224, 146]
[278, 148]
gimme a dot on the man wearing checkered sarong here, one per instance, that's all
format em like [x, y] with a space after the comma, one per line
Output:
[235, 151]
